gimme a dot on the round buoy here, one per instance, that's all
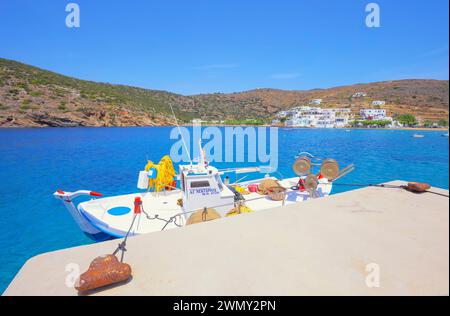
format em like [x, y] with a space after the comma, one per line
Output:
[329, 169]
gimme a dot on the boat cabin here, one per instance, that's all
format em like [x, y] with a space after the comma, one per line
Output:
[202, 187]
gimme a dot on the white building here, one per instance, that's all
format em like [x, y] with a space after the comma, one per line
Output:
[317, 117]
[378, 103]
[315, 102]
[276, 122]
[395, 124]
[373, 114]
[281, 114]
[341, 120]
[359, 95]
[197, 121]
[341, 111]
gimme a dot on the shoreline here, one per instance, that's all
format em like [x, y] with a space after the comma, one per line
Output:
[378, 128]
[437, 129]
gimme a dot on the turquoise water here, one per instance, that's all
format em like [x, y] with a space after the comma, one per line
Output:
[36, 162]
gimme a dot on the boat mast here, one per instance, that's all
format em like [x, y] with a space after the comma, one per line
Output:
[182, 138]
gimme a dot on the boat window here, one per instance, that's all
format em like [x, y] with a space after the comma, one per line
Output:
[199, 184]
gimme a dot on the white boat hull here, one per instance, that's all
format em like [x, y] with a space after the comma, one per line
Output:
[110, 216]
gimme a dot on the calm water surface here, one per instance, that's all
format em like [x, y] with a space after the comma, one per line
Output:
[36, 162]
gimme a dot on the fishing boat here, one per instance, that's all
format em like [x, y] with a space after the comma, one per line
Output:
[418, 135]
[199, 192]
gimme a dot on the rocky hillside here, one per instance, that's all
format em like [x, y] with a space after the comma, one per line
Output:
[427, 99]
[32, 97]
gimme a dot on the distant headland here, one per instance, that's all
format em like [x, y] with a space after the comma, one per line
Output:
[33, 97]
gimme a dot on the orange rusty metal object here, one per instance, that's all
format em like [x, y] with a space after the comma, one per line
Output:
[103, 270]
[417, 187]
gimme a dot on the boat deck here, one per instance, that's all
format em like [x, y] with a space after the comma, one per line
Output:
[164, 206]
[259, 202]
[330, 246]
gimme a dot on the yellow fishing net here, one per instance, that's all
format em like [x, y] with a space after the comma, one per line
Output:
[241, 190]
[237, 210]
[165, 174]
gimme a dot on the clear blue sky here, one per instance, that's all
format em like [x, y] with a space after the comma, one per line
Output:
[201, 46]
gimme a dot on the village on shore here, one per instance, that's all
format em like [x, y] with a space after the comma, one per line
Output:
[314, 115]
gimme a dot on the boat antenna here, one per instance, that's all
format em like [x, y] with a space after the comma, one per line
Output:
[179, 131]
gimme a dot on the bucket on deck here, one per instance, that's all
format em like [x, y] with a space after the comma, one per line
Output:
[143, 180]
[152, 173]
[253, 188]
[277, 193]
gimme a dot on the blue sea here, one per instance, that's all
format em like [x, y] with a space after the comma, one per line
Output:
[36, 162]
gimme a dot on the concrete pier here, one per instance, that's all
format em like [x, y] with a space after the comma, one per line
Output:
[371, 241]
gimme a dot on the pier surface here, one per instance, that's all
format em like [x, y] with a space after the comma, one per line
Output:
[371, 241]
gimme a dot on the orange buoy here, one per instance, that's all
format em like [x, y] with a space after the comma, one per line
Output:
[417, 187]
[103, 271]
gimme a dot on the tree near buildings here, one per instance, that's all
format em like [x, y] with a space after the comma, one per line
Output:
[407, 119]
[443, 123]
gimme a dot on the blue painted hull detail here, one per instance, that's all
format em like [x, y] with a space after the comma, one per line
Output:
[99, 236]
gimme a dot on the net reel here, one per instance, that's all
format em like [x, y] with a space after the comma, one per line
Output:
[328, 168]
[310, 183]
